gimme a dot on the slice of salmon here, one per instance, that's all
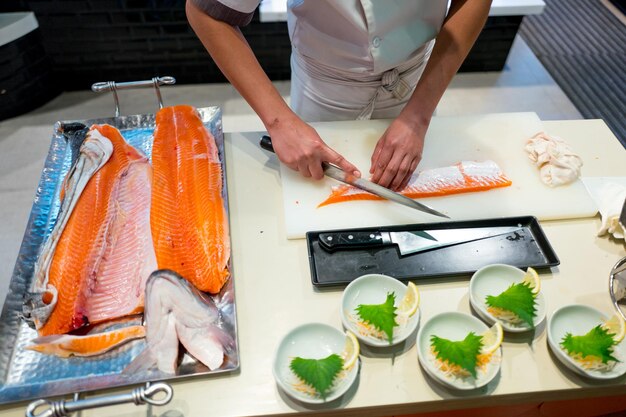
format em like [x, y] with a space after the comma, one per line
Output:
[463, 177]
[88, 345]
[104, 254]
[188, 215]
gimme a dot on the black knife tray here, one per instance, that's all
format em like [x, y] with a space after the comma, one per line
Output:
[529, 247]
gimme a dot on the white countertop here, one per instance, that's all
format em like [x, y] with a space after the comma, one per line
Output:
[276, 10]
[274, 294]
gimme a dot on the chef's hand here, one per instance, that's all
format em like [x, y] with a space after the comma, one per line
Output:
[298, 146]
[398, 152]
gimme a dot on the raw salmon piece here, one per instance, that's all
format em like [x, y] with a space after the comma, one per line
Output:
[464, 177]
[104, 253]
[88, 345]
[188, 215]
[177, 313]
[89, 154]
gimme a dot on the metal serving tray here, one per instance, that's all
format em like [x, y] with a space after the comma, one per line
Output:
[530, 247]
[25, 374]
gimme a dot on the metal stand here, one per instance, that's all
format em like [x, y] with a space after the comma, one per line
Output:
[617, 286]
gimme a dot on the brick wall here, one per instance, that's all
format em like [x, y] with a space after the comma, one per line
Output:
[492, 47]
[122, 40]
[26, 76]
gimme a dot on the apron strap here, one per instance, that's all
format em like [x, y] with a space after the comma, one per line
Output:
[391, 82]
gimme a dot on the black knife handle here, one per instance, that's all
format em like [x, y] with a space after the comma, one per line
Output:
[266, 143]
[350, 240]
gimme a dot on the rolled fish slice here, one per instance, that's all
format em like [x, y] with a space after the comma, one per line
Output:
[463, 177]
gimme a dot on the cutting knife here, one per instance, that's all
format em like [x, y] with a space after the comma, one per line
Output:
[342, 176]
[413, 242]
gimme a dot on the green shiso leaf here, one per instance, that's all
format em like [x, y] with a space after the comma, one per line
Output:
[463, 353]
[381, 316]
[519, 299]
[318, 373]
[597, 342]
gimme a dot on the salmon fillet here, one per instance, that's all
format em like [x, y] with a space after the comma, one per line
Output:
[463, 177]
[66, 345]
[104, 254]
[188, 215]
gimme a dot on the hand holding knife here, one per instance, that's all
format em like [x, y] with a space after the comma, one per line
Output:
[339, 175]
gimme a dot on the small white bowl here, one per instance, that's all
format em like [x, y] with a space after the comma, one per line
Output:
[493, 280]
[373, 289]
[311, 341]
[454, 326]
[578, 319]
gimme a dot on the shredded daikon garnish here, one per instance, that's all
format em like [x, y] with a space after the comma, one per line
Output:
[453, 371]
[505, 315]
[592, 363]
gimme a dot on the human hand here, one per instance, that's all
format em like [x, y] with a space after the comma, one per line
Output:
[299, 146]
[398, 152]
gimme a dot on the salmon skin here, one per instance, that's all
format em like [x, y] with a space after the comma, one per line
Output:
[188, 215]
[178, 314]
[463, 177]
[100, 253]
[88, 345]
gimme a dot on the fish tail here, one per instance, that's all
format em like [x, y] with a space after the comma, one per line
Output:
[208, 345]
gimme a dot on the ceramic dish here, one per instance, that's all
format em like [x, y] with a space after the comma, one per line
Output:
[311, 341]
[578, 319]
[454, 326]
[373, 289]
[493, 280]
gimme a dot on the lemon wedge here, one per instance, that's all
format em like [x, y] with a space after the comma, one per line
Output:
[410, 302]
[351, 351]
[532, 278]
[492, 338]
[616, 326]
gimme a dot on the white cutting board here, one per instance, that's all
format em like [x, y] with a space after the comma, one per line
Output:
[499, 137]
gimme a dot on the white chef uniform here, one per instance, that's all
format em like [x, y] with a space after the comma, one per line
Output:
[350, 58]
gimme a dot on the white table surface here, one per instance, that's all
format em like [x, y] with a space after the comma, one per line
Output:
[274, 294]
[276, 10]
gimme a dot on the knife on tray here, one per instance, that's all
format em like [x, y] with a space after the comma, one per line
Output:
[412, 242]
[342, 176]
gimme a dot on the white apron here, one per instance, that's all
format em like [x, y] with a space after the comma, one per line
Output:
[321, 96]
[359, 59]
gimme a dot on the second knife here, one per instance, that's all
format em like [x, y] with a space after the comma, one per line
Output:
[410, 242]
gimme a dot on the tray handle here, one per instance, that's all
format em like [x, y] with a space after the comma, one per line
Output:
[113, 86]
[159, 393]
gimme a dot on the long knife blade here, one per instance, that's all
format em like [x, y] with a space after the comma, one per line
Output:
[342, 176]
[411, 242]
